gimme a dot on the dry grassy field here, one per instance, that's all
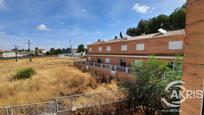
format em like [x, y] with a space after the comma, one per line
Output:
[54, 77]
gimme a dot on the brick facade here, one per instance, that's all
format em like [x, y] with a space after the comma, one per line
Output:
[154, 45]
[194, 56]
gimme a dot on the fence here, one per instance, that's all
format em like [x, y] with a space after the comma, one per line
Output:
[71, 103]
[106, 66]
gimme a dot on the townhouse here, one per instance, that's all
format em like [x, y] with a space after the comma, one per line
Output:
[124, 51]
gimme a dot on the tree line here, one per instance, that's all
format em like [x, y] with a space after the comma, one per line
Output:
[174, 21]
[54, 51]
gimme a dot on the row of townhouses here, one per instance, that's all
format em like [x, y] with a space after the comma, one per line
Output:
[124, 51]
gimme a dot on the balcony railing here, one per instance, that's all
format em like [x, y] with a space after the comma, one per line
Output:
[106, 66]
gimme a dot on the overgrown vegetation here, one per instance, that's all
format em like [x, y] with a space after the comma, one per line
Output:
[148, 88]
[24, 73]
[55, 77]
[172, 22]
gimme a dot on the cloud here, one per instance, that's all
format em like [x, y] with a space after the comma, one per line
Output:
[42, 27]
[83, 10]
[141, 8]
[2, 4]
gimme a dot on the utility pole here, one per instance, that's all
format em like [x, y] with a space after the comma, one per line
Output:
[29, 50]
[70, 42]
[16, 51]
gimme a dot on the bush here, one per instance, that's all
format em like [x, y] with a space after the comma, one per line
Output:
[148, 88]
[24, 73]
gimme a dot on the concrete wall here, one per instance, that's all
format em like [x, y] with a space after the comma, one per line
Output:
[193, 73]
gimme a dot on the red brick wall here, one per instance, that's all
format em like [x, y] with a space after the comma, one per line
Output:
[157, 46]
[193, 70]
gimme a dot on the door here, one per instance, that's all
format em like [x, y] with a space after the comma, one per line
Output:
[99, 60]
[122, 62]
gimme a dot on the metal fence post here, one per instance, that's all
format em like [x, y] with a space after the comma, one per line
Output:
[9, 111]
[115, 68]
[94, 64]
[126, 69]
[174, 65]
[101, 65]
[57, 106]
[52, 107]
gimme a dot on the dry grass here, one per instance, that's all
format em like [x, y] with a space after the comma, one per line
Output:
[55, 77]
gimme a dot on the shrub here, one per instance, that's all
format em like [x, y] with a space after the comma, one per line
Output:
[148, 88]
[24, 73]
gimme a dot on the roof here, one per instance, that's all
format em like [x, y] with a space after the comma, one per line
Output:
[148, 36]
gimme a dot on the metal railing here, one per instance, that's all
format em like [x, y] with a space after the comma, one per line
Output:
[62, 104]
[106, 66]
[30, 109]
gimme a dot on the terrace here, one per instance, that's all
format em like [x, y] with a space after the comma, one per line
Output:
[111, 68]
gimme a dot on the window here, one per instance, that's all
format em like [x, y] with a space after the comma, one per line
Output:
[124, 48]
[175, 45]
[100, 49]
[89, 58]
[90, 49]
[107, 60]
[140, 47]
[108, 48]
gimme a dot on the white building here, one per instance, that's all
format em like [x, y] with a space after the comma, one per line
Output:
[10, 54]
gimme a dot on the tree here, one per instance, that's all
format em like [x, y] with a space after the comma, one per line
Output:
[175, 21]
[54, 51]
[148, 88]
[80, 48]
[143, 26]
[133, 31]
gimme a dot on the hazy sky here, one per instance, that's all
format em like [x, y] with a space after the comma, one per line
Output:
[52, 23]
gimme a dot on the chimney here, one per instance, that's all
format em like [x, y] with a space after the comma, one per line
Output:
[116, 37]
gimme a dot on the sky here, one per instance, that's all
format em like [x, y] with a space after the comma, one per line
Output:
[53, 23]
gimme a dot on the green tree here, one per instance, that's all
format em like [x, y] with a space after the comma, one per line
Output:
[133, 31]
[175, 21]
[81, 48]
[54, 51]
[148, 88]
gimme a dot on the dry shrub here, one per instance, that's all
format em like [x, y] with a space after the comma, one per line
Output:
[101, 75]
[121, 76]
